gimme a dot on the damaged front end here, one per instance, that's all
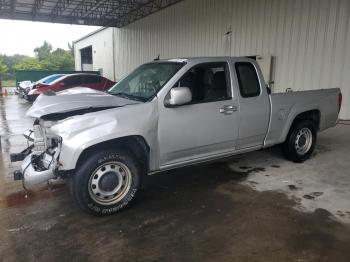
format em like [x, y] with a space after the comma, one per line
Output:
[40, 158]
[60, 117]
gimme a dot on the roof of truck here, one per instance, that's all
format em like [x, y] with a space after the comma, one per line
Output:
[198, 59]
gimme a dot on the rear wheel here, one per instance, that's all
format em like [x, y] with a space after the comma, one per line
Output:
[106, 182]
[301, 141]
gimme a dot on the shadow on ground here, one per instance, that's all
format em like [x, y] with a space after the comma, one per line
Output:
[199, 213]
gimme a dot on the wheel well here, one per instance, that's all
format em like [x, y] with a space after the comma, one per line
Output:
[137, 145]
[312, 115]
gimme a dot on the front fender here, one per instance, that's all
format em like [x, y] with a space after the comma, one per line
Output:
[81, 132]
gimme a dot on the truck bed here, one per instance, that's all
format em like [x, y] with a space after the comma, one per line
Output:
[285, 107]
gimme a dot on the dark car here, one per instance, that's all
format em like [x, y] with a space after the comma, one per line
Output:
[73, 80]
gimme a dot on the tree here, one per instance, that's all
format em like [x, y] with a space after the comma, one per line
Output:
[3, 68]
[45, 59]
[58, 60]
[44, 51]
[63, 59]
[28, 63]
[10, 61]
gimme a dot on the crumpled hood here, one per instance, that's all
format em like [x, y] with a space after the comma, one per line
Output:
[74, 99]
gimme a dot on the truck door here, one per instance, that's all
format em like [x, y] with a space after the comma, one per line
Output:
[206, 127]
[254, 106]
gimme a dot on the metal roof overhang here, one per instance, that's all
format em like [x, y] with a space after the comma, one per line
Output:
[108, 13]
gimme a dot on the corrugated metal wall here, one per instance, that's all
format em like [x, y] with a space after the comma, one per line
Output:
[309, 38]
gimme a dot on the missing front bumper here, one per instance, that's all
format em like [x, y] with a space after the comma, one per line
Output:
[40, 159]
[15, 157]
[37, 167]
[21, 156]
[31, 175]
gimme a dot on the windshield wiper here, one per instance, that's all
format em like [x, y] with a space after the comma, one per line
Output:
[128, 96]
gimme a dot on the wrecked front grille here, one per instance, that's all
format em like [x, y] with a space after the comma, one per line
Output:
[39, 139]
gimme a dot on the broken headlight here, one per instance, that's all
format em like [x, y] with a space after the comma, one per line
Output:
[42, 142]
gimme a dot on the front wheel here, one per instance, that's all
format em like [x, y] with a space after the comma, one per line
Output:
[106, 182]
[301, 141]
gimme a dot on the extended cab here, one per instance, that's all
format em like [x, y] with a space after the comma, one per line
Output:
[164, 115]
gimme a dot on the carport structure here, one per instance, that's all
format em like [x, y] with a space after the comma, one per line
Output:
[304, 44]
[200, 213]
[113, 13]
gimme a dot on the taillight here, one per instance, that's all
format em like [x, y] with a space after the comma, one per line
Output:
[340, 100]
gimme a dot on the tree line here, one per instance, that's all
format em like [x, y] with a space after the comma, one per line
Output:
[45, 59]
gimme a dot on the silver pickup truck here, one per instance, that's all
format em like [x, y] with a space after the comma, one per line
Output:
[164, 115]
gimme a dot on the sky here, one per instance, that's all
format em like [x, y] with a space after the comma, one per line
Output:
[21, 37]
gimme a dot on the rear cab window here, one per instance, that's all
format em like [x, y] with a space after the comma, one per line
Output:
[248, 81]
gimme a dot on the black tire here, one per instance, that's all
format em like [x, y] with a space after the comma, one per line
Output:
[291, 147]
[84, 182]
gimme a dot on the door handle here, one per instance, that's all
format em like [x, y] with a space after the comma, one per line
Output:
[228, 109]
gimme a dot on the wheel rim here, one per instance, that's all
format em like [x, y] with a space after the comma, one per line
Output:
[303, 141]
[109, 183]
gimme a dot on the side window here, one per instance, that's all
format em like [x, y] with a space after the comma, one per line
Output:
[208, 82]
[248, 81]
[91, 79]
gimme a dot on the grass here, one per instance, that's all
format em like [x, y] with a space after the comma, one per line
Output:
[8, 83]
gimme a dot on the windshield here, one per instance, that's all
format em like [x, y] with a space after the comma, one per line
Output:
[145, 82]
[49, 79]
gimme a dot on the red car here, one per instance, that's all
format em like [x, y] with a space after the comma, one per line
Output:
[68, 81]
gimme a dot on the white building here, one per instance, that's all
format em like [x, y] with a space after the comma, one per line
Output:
[95, 52]
[308, 39]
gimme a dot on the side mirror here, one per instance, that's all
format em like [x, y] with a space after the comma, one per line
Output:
[62, 84]
[179, 96]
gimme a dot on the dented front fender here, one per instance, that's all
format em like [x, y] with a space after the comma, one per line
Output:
[81, 132]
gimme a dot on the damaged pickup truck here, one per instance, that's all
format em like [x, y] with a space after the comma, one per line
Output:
[164, 115]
